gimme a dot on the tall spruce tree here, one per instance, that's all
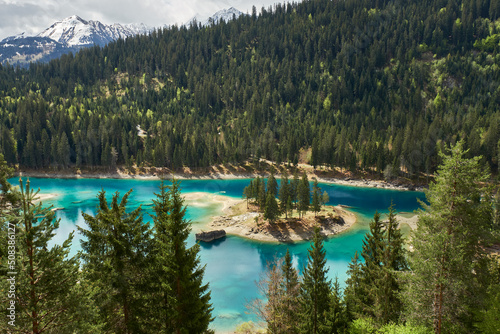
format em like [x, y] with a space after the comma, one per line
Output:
[315, 290]
[114, 253]
[304, 194]
[162, 298]
[247, 192]
[372, 288]
[272, 184]
[294, 188]
[271, 210]
[393, 262]
[190, 310]
[370, 276]
[354, 289]
[48, 294]
[337, 319]
[316, 197]
[447, 262]
[284, 193]
[290, 288]
[261, 193]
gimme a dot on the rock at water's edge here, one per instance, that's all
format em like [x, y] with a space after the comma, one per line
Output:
[210, 236]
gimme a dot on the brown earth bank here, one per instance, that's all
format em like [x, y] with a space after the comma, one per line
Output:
[228, 171]
[248, 222]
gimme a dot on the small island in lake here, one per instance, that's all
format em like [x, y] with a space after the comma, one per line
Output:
[286, 213]
[250, 223]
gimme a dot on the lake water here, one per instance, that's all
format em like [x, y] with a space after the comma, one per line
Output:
[233, 264]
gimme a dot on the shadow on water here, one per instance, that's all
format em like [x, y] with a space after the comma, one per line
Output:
[212, 244]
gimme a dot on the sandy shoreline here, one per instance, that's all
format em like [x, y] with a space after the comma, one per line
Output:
[410, 221]
[217, 176]
[43, 197]
[204, 198]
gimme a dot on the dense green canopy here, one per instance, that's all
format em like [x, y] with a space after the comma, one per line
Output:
[363, 83]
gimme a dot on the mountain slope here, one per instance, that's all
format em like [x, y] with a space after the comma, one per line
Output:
[380, 86]
[23, 50]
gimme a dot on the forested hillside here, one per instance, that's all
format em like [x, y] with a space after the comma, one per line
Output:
[365, 84]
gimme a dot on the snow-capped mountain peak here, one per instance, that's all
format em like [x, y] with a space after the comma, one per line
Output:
[75, 31]
[225, 14]
[221, 15]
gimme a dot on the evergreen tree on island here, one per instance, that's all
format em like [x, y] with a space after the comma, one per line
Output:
[272, 184]
[316, 197]
[294, 188]
[284, 194]
[304, 194]
[271, 210]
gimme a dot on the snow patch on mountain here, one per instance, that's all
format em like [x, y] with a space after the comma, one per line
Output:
[225, 15]
[75, 31]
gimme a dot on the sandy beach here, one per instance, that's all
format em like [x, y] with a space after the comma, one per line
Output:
[43, 197]
[205, 199]
[410, 221]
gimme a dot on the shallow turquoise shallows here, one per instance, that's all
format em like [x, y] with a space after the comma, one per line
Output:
[233, 264]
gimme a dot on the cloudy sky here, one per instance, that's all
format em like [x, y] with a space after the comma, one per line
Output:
[33, 16]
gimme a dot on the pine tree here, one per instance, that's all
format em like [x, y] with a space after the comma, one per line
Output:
[337, 317]
[261, 194]
[64, 151]
[272, 185]
[315, 289]
[247, 192]
[48, 293]
[304, 194]
[354, 289]
[325, 198]
[447, 262]
[162, 297]
[271, 210]
[284, 193]
[290, 288]
[294, 188]
[393, 261]
[289, 205]
[191, 309]
[372, 253]
[316, 198]
[8, 194]
[114, 251]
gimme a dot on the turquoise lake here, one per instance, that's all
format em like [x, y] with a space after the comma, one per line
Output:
[233, 264]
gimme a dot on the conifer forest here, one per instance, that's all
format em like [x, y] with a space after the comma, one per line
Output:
[391, 88]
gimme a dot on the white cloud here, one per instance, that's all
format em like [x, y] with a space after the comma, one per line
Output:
[33, 16]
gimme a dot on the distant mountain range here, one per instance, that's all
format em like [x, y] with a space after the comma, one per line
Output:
[74, 33]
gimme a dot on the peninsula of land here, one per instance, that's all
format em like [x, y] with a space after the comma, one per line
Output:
[247, 222]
